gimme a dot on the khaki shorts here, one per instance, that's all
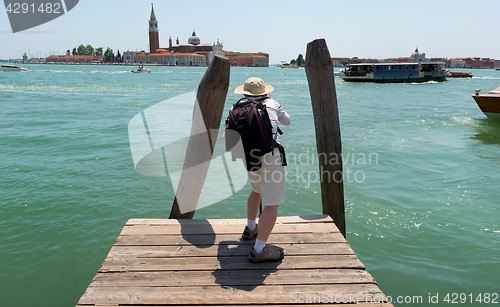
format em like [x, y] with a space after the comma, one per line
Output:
[270, 180]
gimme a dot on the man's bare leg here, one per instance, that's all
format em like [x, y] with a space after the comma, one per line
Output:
[266, 222]
[253, 205]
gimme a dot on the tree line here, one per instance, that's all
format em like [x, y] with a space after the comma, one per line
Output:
[109, 55]
[299, 61]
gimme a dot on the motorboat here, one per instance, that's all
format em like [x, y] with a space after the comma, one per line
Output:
[12, 67]
[142, 70]
[458, 74]
[488, 103]
[288, 65]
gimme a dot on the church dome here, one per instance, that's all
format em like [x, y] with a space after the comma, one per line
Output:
[194, 40]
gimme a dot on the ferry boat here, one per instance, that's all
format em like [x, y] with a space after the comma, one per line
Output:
[395, 72]
[488, 103]
[12, 67]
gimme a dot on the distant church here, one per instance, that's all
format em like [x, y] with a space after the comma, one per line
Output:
[191, 54]
[419, 57]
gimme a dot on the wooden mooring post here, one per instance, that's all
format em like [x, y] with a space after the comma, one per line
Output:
[319, 71]
[207, 114]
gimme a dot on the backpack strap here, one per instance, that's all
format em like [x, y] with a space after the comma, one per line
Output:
[282, 154]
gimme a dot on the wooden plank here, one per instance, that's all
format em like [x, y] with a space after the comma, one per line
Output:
[224, 295]
[170, 222]
[232, 278]
[323, 218]
[224, 250]
[229, 263]
[265, 305]
[293, 238]
[223, 229]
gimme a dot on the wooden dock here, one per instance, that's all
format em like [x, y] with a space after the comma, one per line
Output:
[168, 262]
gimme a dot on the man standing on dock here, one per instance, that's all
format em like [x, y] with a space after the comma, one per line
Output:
[268, 182]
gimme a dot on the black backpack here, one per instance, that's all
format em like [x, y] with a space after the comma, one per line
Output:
[248, 120]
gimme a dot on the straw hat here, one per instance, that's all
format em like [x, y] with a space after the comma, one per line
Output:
[254, 87]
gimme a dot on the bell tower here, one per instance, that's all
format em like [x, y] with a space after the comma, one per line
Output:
[154, 40]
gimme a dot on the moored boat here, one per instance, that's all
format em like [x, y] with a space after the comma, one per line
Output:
[395, 72]
[488, 103]
[12, 67]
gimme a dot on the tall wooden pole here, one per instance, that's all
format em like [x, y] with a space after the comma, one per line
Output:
[207, 116]
[319, 71]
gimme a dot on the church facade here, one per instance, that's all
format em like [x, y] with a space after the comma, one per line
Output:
[193, 53]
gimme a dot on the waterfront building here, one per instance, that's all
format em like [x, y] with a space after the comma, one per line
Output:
[74, 59]
[480, 63]
[129, 57]
[193, 53]
[477, 63]
[418, 57]
[164, 58]
[216, 50]
[456, 63]
[259, 59]
[399, 60]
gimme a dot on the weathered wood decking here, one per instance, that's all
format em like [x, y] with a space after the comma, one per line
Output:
[167, 262]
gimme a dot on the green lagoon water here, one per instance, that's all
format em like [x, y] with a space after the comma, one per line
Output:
[422, 200]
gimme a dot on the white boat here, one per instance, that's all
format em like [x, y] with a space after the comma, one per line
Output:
[12, 67]
[142, 70]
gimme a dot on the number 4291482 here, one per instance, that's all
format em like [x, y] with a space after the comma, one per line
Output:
[24, 8]
[461, 298]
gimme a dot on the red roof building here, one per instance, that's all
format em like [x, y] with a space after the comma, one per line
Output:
[74, 59]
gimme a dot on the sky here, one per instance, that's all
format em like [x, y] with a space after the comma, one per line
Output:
[355, 28]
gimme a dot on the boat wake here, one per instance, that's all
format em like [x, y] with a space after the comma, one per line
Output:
[428, 82]
[487, 78]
